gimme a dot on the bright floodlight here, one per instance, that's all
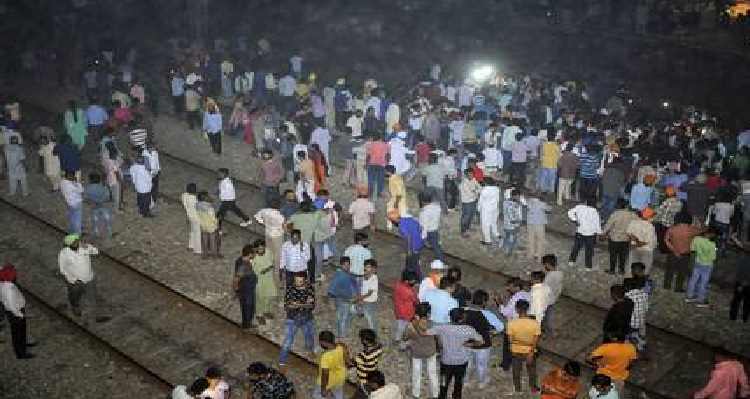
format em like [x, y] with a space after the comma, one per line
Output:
[482, 73]
[665, 104]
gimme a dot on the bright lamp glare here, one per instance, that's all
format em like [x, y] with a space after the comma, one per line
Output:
[482, 73]
[665, 104]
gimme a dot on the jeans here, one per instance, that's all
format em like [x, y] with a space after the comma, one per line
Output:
[618, 254]
[608, 206]
[468, 212]
[98, 216]
[589, 186]
[722, 237]
[144, 203]
[438, 194]
[18, 334]
[518, 174]
[698, 285]
[75, 214]
[343, 316]
[452, 372]
[519, 360]
[676, 269]
[214, 139]
[76, 293]
[412, 263]
[337, 392]
[433, 238]
[547, 178]
[319, 250]
[270, 193]
[741, 296]
[290, 331]
[451, 193]
[178, 102]
[587, 243]
[375, 180]
[370, 310]
[227, 206]
[399, 329]
[510, 241]
[430, 364]
[480, 358]
[246, 295]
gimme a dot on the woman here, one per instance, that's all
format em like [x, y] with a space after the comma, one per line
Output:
[189, 202]
[320, 165]
[112, 165]
[265, 289]
[209, 226]
[75, 124]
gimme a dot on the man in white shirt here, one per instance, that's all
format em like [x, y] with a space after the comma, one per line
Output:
[142, 180]
[13, 303]
[74, 261]
[194, 392]
[488, 206]
[273, 220]
[429, 220]
[540, 293]
[154, 166]
[553, 278]
[586, 217]
[72, 191]
[294, 257]
[643, 241]
[228, 198]
[355, 123]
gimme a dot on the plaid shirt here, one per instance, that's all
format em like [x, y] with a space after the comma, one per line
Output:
[667, 210]
[512, 215]
[640, 307]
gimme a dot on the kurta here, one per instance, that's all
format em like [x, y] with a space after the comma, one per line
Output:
[266, 287]
[76, 128]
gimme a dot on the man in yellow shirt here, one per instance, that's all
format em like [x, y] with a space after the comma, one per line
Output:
[397, 190]
[331, 369]
[550, 156]
[523, 335]
[613, 359]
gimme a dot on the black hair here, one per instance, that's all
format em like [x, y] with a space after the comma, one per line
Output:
[198, 386]
[408, 275]
[274, 203]
[368, 336]
[296, 232]
[191, 188]
[457, 315]
[601, 380]
[390, 169]
[372, 263]
[447, 282]
[572, 368]
[259, 243]
[376, 377]
[480, 297]
[423, 309]
[247, 250]
[359, 237]
[95, 178]
[537, 275]
[549, 259]
[257, 368]
[522, 306]
[617, 291]
[326, 336]
[454, 273]
[213, 372]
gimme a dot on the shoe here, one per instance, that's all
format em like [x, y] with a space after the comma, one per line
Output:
[245, 223]
[690, 300]
[701, 305]
[27, 356]
[571, 264]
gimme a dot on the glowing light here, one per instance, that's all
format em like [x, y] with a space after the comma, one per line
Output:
[665, 104]
[482, 73]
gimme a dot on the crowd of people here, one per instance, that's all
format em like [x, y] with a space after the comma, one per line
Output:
[501, 150]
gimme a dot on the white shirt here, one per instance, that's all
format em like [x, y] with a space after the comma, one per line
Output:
[11, 298]
[554, 280]
[398, 156]
[219, 391]
[587, 218]
[152, 160]
[355, 123]
[296, 62]
[188, 203]
[370, 284]
[226, 190]
[273, 220]
[76, 265]
[489, 199]
[388, 391]
[141, 178]
[429, 218]
[540, 294]
[425, 286]
[72, 191]
[287, 84]
[465, 93]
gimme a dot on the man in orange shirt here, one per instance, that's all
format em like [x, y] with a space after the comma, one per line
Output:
[523, 334]
[678, 239]
[613, 359]
[562, 382]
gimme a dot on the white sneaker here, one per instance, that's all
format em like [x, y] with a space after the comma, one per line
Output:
[245, 223]
[690, 300]
[571, 264]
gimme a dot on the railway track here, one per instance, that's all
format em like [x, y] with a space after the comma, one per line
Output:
[165, 332]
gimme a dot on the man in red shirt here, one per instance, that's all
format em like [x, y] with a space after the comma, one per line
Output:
[378, 155]
[678, 240]
[404, 302]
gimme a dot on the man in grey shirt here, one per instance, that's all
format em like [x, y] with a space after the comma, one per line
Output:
[14, 157]
[433, 176]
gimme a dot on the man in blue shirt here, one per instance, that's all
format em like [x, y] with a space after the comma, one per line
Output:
[96, 116]
[640, 196]
[589, 183]
[342, 290]
[441, 301]
[410, 230]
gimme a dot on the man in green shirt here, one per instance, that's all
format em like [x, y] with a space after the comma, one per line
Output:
[704, 247]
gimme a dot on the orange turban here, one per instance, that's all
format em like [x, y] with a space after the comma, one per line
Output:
[649, 179]
[647, 213]
[669, 191]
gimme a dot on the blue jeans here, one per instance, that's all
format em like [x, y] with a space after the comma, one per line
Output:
[375, 180]
[399, 329]
[75, 215]
[608, 206]
[319, 245]
[723, 236]
[98, 216]
[547, 177]
[343, 316]
[468, 212]
[698, 285]
[371, 314]
[290, 330]
[480, 358]
[433, 238]
[510, 241]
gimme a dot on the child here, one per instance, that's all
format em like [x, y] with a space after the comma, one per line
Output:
[704, 247]
[209, 224]
[367, 360]
[423, 351]
[217, 387]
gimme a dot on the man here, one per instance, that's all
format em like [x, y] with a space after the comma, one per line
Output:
[588, 174]
[512, 218]
[244, 282]
[15, 162]
[620, 314]
[341, 289]
[397, 202]
[432, 280]
[486, 324]
[523, 335]
[151, 153]
[358, 254]
[429, 220]
[70, 158]
[305, 169]
[456, 340]
[540, 293]
[74, 262]
[613, 181]
[97, 195]
[362, 212]
[488, 205]
[410, 231]
[331, 369]
[295, 254]
[665, 216]
[377, 158]
[586, 217]
[433, 177]
[270, 175]
[322, 137]
[299, 302]
[602, 388]
[96, 116]
[267, 383]
[553, 279]
[14, 303]
[177, 87]
[194, 392]
[404, 304]
[379, 389]
[613, 359]
[550, 157]
[519, 152]
[728, 379]
[228, 197]
[536, 221]
[678, 240]
[642, 235]
[273, 220]
[193, 106]
[143, 185]
[568, 163]
[441, 300]
[469, 190]
[616, 231]
[355, 123]
[72, 191]
[635, 290]
[562, 382]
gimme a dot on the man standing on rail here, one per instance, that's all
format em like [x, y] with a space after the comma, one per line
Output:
[243, 284]
[228, 197]
[142, 180]
[74, 261]
[13, 302]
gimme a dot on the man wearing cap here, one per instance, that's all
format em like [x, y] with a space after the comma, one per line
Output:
[13, 302]
[642, 235]
[74, 261]
[432, 281]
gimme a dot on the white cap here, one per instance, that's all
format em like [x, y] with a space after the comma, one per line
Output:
[437, 264]
[329, 205]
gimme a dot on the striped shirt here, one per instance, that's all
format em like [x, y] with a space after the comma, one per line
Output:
[367, 361]
[294, 257]
[138, 137]
[640, 307]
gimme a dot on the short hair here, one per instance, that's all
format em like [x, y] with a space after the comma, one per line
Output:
[327, 336]
[638, 266]
[359, 237]
[296, 232]
[191, 188]
[454, 273]
[549, 259]
[480, 297]
[372, 263]
[345, 259]
[515, 282]
[425, 196]
[457, 314]
[572, 368]
[423, 309]
[259, 243]
[247, 250]
[447, 282]
[368, 335]
[198, 386]
[622, 203]
[537, 275]
[601, 380]
[274, 203]
[376, 377]
[95, 178]
[591, 201]
[408, 275]
[522, 306]
[390, 168]
[224, 171]
[617, 291]
[257, 368]
[213, 372]
[683, 217]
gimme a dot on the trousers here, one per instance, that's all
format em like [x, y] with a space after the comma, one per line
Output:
[488, 221]
[194, 235]
[563, 190]
[453, 373]
[537, 242]
[230, 206]
[17, 333]
[430, 366]
[618, 254]
[677, 269]
[587, 243]
[519, 361]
